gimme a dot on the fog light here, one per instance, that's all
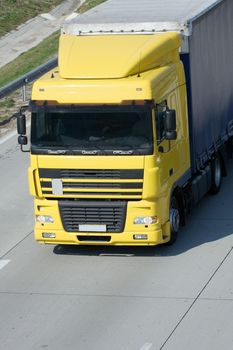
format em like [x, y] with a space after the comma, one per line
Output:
[140, 237]
[48, 235]
[145, 220]
[44, 219]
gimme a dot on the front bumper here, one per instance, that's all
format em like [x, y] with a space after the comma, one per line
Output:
[117, 239]
[153, 232]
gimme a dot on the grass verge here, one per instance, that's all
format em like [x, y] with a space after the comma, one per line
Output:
[16, 12]
[30, 59]
[7, 103]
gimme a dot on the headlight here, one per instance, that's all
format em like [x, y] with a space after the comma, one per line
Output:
[145, 220]
[44, 219]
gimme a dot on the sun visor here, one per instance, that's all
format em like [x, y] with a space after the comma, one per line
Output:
[115, 56]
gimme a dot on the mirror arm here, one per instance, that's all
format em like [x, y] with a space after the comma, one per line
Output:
[161, 149]
[24, 150]
[23, 108]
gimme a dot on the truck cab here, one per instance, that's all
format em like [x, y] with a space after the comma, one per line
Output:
[110, 142]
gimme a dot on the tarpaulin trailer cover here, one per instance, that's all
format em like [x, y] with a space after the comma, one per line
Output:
[207, 27]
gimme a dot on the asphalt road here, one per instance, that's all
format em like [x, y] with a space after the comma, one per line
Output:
[93, 298]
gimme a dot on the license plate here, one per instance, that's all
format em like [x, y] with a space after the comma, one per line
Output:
[92, 228]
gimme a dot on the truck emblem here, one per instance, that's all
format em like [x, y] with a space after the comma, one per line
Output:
[89, 152]
[122, 152]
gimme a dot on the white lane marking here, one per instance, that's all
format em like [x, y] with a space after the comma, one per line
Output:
[146, 346]
[47, 16]
[71, 16]
[3, 263]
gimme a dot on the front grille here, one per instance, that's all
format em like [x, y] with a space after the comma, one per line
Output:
[111, 214]
[91, 174]
[123, 185]
[89, 183]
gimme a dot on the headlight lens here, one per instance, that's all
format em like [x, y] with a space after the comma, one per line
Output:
[44, 219]
[145, 220]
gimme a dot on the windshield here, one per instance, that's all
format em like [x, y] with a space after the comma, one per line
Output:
[96, 131]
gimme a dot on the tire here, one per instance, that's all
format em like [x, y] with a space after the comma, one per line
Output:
[174, 217]
[216, 175]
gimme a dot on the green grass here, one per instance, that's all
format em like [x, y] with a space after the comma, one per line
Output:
[3, 117]
[30, 59]
[7, 103]
[89, 4]
[16, 12]
[38, 55]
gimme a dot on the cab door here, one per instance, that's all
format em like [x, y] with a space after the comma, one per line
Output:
[173, 157]
[167, 150]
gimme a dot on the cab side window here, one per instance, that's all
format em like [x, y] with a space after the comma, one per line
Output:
[160, 111]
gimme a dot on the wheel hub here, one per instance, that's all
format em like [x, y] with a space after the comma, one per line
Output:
[174, 219]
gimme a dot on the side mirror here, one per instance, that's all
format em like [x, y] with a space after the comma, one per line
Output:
[22, 130]
[21, 124]
[170, 125]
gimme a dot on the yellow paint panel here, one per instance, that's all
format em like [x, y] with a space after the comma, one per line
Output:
[90, 162]
[115, 56]
[105, 69]
[90, 91]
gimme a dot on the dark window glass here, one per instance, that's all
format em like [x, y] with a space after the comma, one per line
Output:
[160, 112]
[97, 130]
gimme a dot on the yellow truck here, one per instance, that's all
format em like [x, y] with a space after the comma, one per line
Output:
[134, 126]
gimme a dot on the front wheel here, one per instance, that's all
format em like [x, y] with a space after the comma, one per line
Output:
[174, 217]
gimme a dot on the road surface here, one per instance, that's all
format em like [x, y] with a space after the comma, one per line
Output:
[96, 298]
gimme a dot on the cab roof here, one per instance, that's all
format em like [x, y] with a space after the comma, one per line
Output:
[115, 56]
